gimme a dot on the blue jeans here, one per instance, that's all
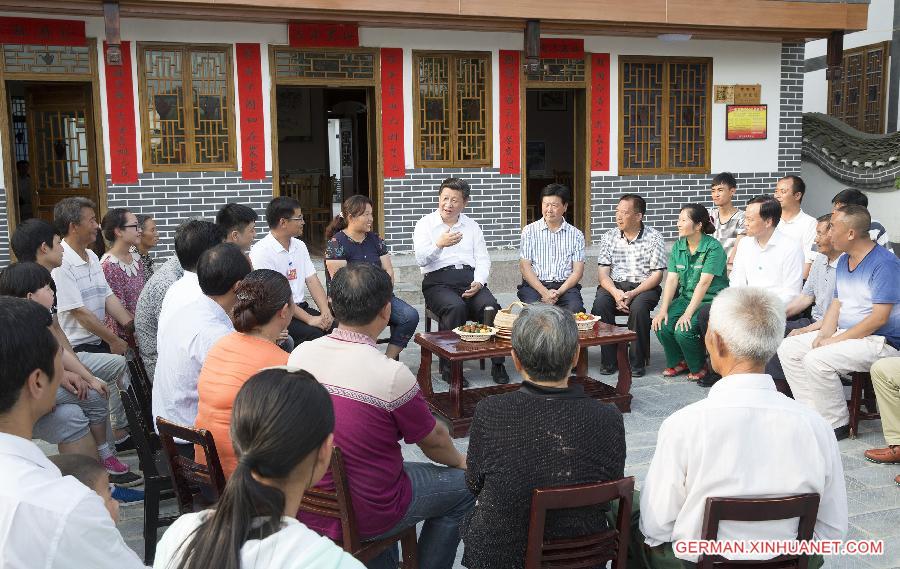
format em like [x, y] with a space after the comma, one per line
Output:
[440, 499]
[403, 322]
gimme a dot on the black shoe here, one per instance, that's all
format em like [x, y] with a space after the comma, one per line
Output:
[499, 375]
[842, 433]
[609, 370]
[445, 375]
[125, 446]
[126, 480]
[710, 379]
[638, 371]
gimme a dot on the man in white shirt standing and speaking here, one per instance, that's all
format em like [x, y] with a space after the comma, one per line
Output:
[453, 256]
[796, 223]
[745, 440]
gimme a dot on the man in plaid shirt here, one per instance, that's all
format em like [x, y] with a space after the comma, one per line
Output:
[631, 262]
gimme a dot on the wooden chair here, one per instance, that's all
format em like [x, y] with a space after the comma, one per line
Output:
[338, 505]
[584, 551]
[143, 388]
[157, 482]
[431, 316]
[196, 485]
[803, 506]
[861, 391]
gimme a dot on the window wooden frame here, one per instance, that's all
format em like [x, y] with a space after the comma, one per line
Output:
[882, 48]
[665, 168]
[191, 164]
[454, 162]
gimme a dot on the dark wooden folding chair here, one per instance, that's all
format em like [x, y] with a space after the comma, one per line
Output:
[861, 391]
[803, 506]
[157, 482]
[143, 388]
[197, 486]
[593, 550]
[338, 505]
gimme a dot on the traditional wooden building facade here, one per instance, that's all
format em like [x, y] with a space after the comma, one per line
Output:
[173, 108]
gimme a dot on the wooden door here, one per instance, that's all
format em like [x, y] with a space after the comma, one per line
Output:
[581, 188]
[858, 98]
[61, 143]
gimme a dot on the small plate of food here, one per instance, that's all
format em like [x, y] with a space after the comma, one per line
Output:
[585, 321]
[474, 332]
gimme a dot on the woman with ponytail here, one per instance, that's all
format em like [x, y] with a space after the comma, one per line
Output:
[282, 428]
[262, 312]
[351, 240]
[697, 272]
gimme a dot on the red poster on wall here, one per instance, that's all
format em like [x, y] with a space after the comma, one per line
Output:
[392, 112]
[509, 112]
[38, 31]
[120, 114]
[312, 34]
[600, 111]
[253, 144]
[562, 48]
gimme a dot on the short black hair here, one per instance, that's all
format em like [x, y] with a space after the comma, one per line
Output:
[858, 218]
[798, 186]
[558, 190]
[235, 217]
[851, 196]
[194, 237]
[29, 236]
[637, 202]
[358, 292]
[26, 344]
[457, 184]
[114, 219]
[280, 208]
[769, 208]
[80, 467]
[68, 211]
[22, 279]
[824, 218]
[221, 267]
[724, 178]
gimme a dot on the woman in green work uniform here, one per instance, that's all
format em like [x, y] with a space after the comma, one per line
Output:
[697, 272]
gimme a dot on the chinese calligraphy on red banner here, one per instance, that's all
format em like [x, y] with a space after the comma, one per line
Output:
[323, 35]
[253, 147]
[120, 109]
[36, 31]
[510, 153]
[392, 112]
[600, 111]
[562, 48]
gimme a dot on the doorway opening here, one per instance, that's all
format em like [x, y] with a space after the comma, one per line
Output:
[53, 145]
[324, 138]
[555, 150]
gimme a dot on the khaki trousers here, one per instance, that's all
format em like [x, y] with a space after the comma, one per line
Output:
[814, 374]
[886, 380]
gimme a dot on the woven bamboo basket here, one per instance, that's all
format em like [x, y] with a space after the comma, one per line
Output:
[505, 317]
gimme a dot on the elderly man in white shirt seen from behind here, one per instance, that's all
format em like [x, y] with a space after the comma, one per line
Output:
[453, 256]
[745, 440]
[767, 258]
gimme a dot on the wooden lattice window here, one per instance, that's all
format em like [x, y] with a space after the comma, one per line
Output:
[452, 102]
[665, 122]
[858, 97]
[187, 99]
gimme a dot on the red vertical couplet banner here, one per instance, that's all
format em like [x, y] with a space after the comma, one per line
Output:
[120, 114]
[253, 144]
[599, 111]
[510, 153]
[392, 112]
[37, 31]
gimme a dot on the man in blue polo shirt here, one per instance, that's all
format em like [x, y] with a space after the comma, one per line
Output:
[861, 326]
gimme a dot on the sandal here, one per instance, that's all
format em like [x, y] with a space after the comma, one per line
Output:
[679, 369]
[699, 375]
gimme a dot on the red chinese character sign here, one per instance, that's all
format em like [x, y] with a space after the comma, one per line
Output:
[36, 31]
[253, 145]
[311, 34]
[510, 69]
[120, 110]
[392, 112]
[599, 111]
[562, 48]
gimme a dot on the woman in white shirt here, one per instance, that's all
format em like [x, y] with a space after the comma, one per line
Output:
[281, 427]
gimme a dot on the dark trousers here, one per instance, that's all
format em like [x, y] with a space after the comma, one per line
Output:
[443, 296]
[638, 320]
[570, 300]
[773, 368]
[301, 331]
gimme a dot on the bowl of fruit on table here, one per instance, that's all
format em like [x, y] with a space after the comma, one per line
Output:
[585, 321]
[474, 332]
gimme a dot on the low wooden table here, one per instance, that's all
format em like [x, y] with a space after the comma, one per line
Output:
[458, 405]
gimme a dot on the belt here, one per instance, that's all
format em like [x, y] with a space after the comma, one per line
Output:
[451, 267]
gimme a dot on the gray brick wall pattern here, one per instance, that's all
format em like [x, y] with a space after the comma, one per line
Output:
[174, 197]
[790, 138]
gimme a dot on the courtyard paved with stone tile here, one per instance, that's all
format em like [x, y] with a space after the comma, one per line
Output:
[874, 499]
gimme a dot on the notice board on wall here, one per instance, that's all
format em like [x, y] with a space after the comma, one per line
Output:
[746, 122]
